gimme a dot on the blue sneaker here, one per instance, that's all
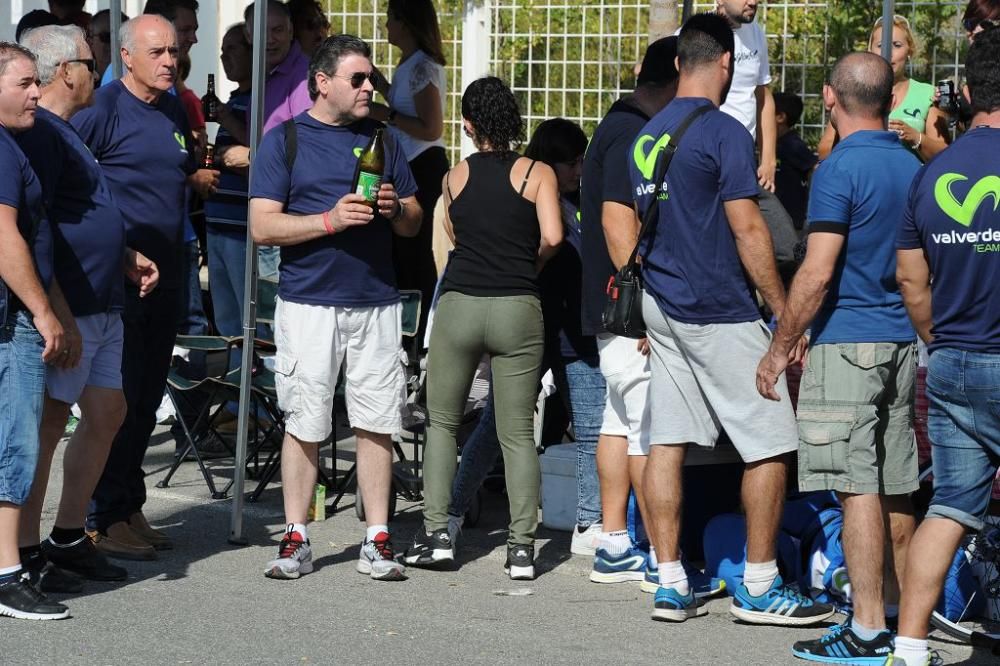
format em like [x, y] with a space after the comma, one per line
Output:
[671, 606]
[702, 585]
[780, 605]
[840, 645]
[629, 566]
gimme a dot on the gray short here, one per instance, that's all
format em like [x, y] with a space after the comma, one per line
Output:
[856, 419]
[703, 379]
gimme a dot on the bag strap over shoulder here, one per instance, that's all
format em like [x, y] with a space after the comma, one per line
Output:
[663, 163]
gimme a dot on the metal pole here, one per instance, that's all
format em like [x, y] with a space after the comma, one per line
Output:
[250, 286]
[888, 10]
[116, 23]
[687, 10]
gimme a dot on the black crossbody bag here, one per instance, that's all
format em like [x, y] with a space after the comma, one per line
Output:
[623, 310]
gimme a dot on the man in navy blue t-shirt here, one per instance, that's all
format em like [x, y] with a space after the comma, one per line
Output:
[140, 137]
[30, 331]
[855, 409]
[337, 297]
[708, 249]
[951, 231]
[90, 255]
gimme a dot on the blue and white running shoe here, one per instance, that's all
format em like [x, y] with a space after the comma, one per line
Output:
[629, 566]
[780, 605]
[702, 585]
[840, 645]
[670, 606]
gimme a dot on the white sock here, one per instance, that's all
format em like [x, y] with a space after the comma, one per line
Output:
[616, 543]
[672, 574]
[913, 651]
[758, 576]
[300, 528]
[374, 530]
[6, 571]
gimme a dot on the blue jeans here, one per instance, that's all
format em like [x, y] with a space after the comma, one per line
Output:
[227, 247]
[22, 387]
[963, 422]
[581, 380]
[269, 259]
[192, 313]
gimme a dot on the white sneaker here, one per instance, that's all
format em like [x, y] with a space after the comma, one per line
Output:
[585, 542]
[294, 558]
[378, 560]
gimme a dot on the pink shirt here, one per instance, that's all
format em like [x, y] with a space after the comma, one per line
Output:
[286, 91]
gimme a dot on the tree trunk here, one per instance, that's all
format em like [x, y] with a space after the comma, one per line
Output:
[662, 18]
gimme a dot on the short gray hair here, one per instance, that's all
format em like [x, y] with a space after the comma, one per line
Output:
[9, 52]
[53, 45]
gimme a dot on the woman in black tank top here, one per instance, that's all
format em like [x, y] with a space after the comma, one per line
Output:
[502, 212]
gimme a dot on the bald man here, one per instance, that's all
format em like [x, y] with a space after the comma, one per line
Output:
[855, 410]
[141, 138]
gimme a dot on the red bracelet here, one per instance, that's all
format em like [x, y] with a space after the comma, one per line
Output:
[326, 223]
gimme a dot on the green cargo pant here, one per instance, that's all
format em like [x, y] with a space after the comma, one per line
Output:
[509, 329]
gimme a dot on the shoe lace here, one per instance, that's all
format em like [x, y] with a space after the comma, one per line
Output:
[289, 545]
[793, 595]
[834, 633]
[384, 548]
[30, 589]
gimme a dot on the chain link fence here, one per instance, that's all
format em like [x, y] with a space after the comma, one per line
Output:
[574, 58]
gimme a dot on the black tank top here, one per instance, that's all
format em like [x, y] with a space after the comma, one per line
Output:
[496, 232]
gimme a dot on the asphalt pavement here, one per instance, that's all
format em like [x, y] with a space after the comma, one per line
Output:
[208, 602]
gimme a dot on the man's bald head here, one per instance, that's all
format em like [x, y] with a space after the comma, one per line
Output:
[142, 25]
[862, 83]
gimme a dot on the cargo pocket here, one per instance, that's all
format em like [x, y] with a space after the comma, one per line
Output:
[825, 440]
[286, 383]
[868, 355]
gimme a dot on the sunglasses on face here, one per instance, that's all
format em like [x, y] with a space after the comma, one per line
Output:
[89, 62]
[357, 79]
[970, 24]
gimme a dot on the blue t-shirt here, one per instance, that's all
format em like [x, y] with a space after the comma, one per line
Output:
[88, 229]
[21, 190]
[689, 260]
[228, 206]
[352, 268]
[860, 191]
[143, 150]
[952, 215]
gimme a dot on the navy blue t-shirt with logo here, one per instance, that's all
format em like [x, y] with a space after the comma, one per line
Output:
[352, 268]
[21, 190]
[87, 226]
[605, 178]
[143, 150]
[689, 260]
[953, 216]
[228, 206]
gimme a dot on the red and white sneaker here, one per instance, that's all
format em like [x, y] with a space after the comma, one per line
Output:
[294, 557]
[378, 560]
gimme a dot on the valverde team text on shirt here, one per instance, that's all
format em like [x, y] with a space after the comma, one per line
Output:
[349, 269]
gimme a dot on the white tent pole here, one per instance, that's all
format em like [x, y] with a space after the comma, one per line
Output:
[116, 23]
[250, 286]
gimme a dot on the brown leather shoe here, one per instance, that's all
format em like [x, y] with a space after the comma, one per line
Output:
[120, 541]
[154, 537]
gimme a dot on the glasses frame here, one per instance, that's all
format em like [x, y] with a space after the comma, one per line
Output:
[359, 77]
[89, 62]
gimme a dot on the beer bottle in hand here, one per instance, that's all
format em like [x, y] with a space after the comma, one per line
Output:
[208, 159]
[210, 103]
[371, 166]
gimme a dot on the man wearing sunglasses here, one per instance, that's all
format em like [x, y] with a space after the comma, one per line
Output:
[89, 252]
[337, 300]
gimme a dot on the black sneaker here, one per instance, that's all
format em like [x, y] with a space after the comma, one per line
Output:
[83, 559]
[842, 645]
[430, 549]
[20, 599]
[49, 578]
[520, 562]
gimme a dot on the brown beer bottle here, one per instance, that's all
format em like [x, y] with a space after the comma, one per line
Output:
[210, 103]
[371, 167]
[208, 161]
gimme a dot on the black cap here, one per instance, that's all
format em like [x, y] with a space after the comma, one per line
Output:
[658, 64]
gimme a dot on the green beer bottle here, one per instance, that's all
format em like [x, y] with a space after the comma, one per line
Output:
[371, 166]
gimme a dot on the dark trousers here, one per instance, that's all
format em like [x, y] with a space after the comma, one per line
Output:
[150, 328]
[413, 257]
